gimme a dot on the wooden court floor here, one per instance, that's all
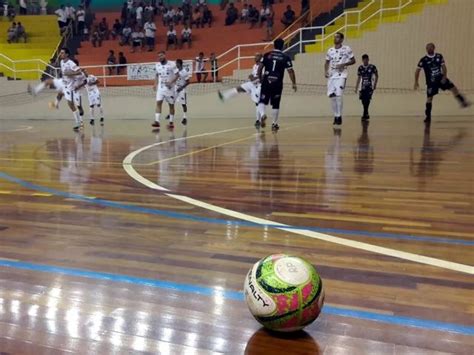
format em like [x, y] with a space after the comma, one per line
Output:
[119, 240]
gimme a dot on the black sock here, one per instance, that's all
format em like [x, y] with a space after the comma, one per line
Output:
[429, 106]
[460, 98]
[366, 104]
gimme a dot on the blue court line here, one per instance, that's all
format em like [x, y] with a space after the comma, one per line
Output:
[236, 296]
[185, 216]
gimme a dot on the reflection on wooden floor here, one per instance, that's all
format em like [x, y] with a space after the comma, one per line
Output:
[94, 262]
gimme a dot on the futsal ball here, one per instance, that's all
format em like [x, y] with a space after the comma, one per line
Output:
[284, 293]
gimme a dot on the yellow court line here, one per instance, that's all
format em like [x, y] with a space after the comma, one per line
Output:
[5, 192]
[41, 194]
[127, 165]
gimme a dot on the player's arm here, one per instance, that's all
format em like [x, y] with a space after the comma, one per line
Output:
[445, 72]
[81, 85]
[291, 72]
[260, 71]
[376, 78]
[358, 83]
[326, 68]
[155, 84]
[186, 83]
[417, 78]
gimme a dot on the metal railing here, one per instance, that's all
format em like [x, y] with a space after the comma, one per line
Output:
[242, 53]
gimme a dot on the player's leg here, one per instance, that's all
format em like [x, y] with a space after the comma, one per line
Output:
[275, 101]
[40, 87]
[75, 114]
[448, 85]
[340, 86]
[365, 97]
[91, 114]
[78, 104]
[431, 91]
[172, 111]
[230, 93]
[265, 94]
[182, 99]
[332, 96]
[159, 104]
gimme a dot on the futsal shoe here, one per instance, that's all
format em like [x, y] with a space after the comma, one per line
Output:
[275, 127]
[156, 124]
[167, 117]
[365, 117]
[339, 120]
[76, 128]
[465, 104]
[264, 118]
[427, 120]
[335, 121]
[184, 121]
[92, 122]
[102, 121]
[170, 126]
[221, 97]
[257, 124]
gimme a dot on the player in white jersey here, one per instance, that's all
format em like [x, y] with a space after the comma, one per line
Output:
[184, 76]
[166, 77]
[93, 94]
[250, 87]
[71, 71]
[52, 83]
[338, 58]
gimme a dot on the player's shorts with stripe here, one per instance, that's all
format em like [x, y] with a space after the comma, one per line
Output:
[433, 88]
[253, 89]
[77, 98]
[182, 97]
[271, 93]
[94, 98]
[336, 86]
[166, 95]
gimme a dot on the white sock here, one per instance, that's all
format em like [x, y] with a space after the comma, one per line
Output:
[275, 114]
[261, 110]
[77, 117]
[334, 105]
[339, 106]
[171, 118]
[157, 117]
[184, 114]
[101, 110]
[228, 94]
[39, 88]
[257, 113]
[92, 113]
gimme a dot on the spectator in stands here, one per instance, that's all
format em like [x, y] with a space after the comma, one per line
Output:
[197, 19]
[231, 15]
[104, 29]
[123, 63]
[130, 4]
[186, 36]
[304, 6]
[126, 35]
[288, 17]
[201, 74]
[124, 12]
[23, 8]
[137, 39]
[159, 7]
[20, 32]
[207, 17]
[244, 14]
[70, 13]
[178, 16]
[111, 60]
[150, 33]
[253, 16]
[168, 16]
[270, 14]
[149, 13]
[116, 29]
[171, 38]
[81, 20]
[214, 67]
[96, 38]
[263, 15]
[11, 33]
[62, 18]
[139, 14]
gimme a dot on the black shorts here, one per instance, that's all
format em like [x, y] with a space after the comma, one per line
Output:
[271, 93]
[432, 89]
[137, 43]
[150, 41]
[172, 40]
[366, 94]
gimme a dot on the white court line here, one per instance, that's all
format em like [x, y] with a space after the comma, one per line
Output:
[20, 128]
[127, 165]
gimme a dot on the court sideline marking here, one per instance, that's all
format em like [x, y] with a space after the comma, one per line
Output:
[130, 170]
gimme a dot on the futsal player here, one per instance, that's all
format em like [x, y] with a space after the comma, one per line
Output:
[93, 94]
[251, 87]
[166, 77]
[338, 58]
[367, 78]
[52, 83]
[271, 72]
[184, 77]
[436, 78]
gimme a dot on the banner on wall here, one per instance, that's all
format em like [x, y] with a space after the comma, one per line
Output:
[148, 72]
